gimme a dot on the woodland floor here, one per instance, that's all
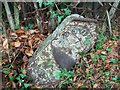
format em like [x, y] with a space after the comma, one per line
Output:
[99, 68]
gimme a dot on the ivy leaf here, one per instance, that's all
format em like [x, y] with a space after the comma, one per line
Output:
[108, 49]
[113, 37]
[67, 11]
[40, 2]
[87, 41]
[95, 59]
[26, 28]
[11, 78]
[104, 38]
[50, 63]
[101, 71]
[21, 89]
[65, 82]
[21, 69]
[67, 73]
[59, 18]
[98, 45]
[30, 25]
[114, 61]
[107, 73]
[57, 74]
[53, 14]
[18, 78]
[49, 3]
[83, 86]
[26, 85]
[114, 78]
[103, 57]
[89, 73]
[17, 26]
[22, 75]
[6, 72]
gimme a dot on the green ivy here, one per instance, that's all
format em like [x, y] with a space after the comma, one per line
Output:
[114, 61]
[26, 85]
[30, 25]
[67, 11]
[6, 72]
[59, 18]
[108, 49]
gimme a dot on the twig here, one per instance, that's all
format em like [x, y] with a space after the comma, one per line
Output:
[114, 6]
[100, 2]
[57, 8]
[113, 9]
[109, 24]
[16, 14]
[9, 15]
[76, 3]
[38, 18]
[111, 14]
[16, 57]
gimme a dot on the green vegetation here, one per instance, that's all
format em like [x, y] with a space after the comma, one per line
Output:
[100, 67]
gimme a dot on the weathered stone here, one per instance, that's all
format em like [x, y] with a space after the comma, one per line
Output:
[75, 34]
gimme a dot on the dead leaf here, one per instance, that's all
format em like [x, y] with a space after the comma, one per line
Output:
[24, 71]
[13, 85]
[22, 27]
[29, 52]
[14, 35]
[25, 59]
[1, 63]
[87, 70]
[5, 44]
[103, 52]
[107, 66]
[92, 55]
[37, 86]
[12, 43]
[30, 42]
[20, 32]
[17, 44]
[32, 31]
[75, 78]
[24, 36]
[19, 7]
[79, 84]
[95, 85]
[113, 54]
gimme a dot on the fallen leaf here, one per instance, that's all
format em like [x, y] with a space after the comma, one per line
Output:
[14, 35]
[24, 36]
[5, 44]
[79, 85]
[17, 44]
[95, 85]
[25, 59]
[29, 52]
[75, 78]
[24, 71]
[1, 63]
[13, 85]
[92, 55]
[30, 42]
[103, 52]
[33, 31]
[20, 32]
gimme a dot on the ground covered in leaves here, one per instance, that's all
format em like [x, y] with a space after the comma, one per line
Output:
[99, 68]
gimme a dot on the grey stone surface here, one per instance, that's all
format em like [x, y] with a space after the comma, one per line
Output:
[75, 34]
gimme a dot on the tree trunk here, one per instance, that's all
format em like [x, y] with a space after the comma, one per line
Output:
[9, 16]
[16, 14]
